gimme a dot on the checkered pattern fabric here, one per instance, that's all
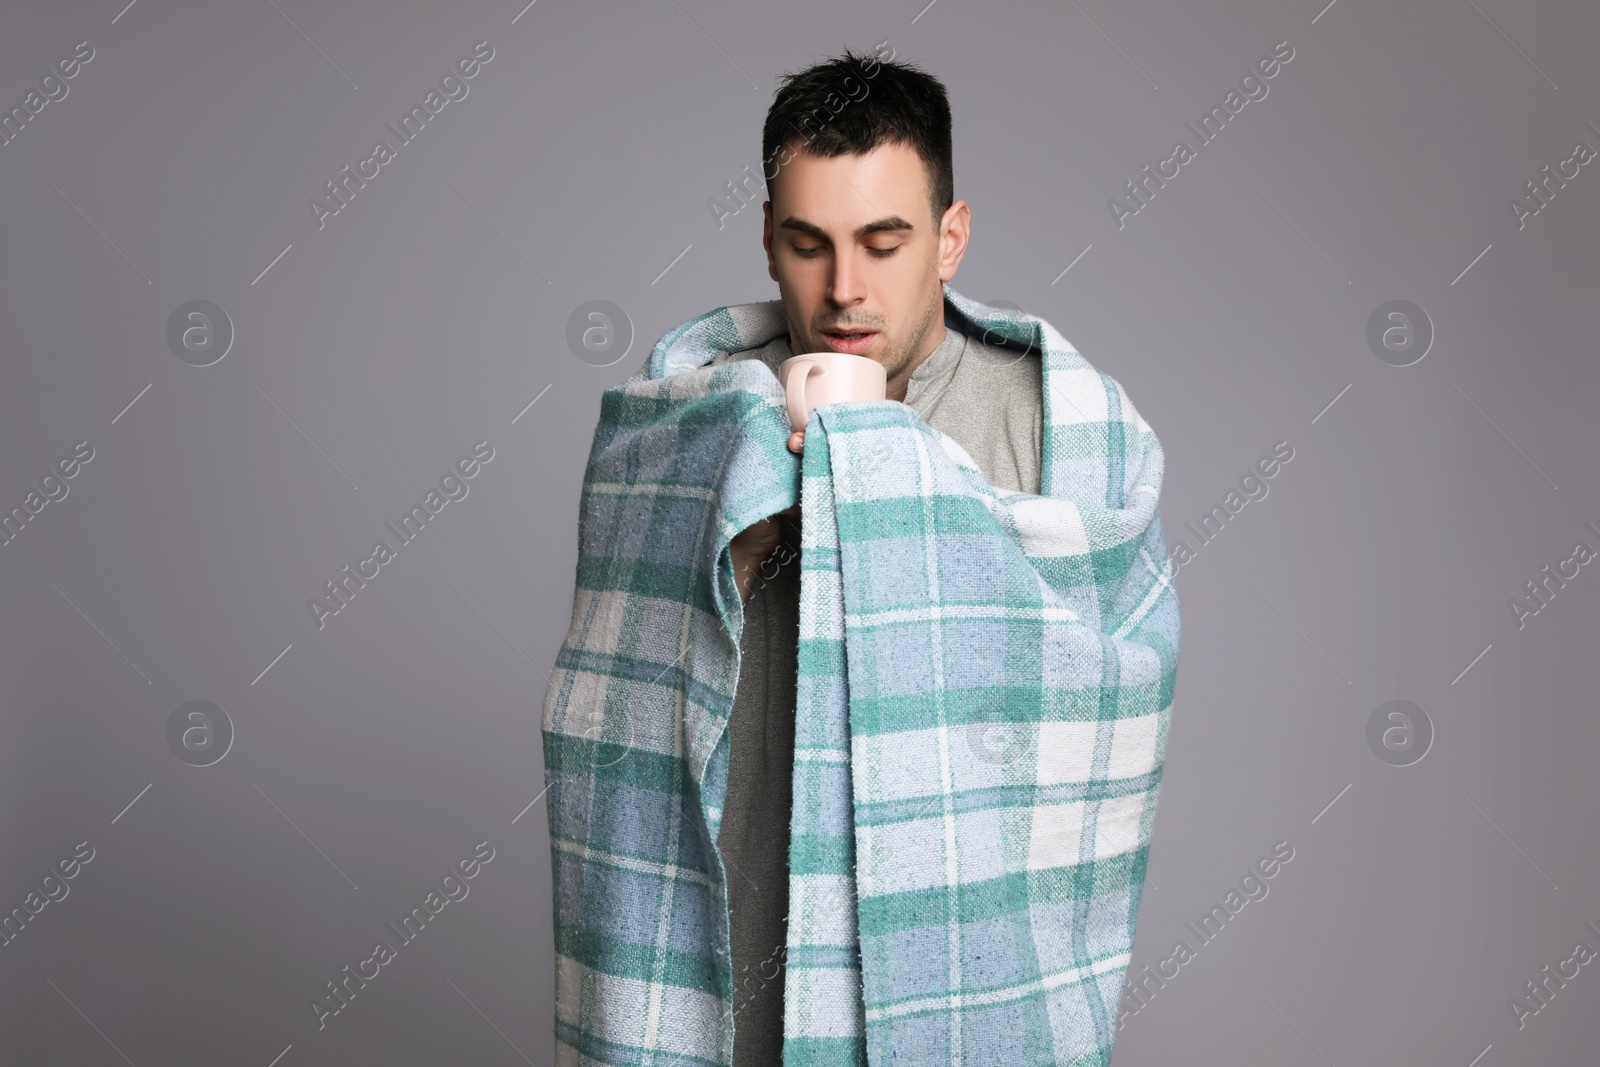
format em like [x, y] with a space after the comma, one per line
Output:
[985, 683]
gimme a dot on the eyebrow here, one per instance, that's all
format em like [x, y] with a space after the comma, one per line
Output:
[889, 223]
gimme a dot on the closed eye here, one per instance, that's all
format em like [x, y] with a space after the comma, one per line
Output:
[811, 253]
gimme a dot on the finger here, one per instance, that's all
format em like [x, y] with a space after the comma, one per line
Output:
[757, 532]
[797, 441]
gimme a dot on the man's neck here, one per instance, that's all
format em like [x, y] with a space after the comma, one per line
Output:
[900, 382]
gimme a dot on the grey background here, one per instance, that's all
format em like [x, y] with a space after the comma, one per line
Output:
[431, 311]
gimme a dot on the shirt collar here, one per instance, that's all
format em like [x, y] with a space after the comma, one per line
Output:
[935, 371]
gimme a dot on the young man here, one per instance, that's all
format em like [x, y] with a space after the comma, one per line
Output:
[861, 232]
[985, 652]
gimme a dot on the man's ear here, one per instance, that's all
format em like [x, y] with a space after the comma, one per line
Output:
[954, 229]
[766, 238]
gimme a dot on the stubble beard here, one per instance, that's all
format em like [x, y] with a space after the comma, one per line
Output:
[913, 347]
[896, 357]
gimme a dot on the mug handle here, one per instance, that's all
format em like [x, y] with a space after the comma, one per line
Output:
[799, 374]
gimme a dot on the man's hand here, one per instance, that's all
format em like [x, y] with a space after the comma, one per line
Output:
[755, 543]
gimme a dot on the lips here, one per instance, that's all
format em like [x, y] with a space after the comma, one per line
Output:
[851, 341]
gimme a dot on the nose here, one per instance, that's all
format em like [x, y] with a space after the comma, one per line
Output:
[847, 285]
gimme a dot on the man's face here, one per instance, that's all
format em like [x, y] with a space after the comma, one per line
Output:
[858, 257]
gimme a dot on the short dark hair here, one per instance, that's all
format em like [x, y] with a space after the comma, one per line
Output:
[855, 103]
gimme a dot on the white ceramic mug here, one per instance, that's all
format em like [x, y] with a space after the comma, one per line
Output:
[817, 378]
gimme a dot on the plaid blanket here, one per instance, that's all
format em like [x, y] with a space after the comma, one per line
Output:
[985, 682]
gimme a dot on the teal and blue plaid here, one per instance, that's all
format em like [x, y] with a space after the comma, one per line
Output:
[984, 690]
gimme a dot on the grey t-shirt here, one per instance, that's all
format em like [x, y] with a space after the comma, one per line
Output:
[990, 401]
